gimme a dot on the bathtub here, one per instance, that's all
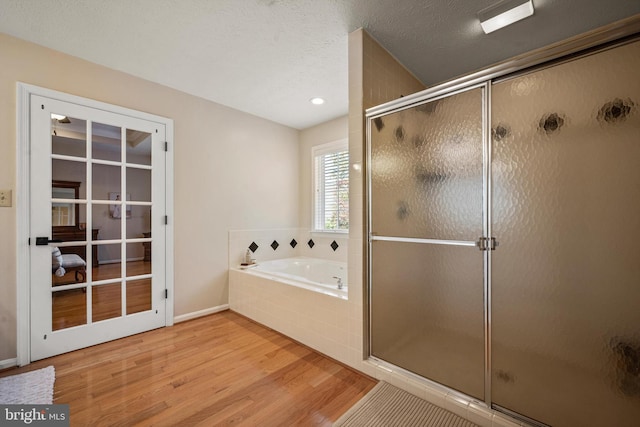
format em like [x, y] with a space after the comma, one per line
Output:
[314, 274]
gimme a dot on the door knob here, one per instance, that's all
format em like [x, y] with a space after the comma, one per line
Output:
[44, 241]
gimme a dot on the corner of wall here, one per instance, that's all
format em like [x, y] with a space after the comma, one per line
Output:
[375, 77]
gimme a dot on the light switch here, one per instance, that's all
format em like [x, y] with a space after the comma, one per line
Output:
[5, 198]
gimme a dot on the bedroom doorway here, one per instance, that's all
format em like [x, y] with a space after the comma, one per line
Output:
[97, 221]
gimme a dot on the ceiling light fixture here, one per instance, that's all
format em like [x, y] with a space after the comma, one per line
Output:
[316, 101]
[504, 13]
[60, 118]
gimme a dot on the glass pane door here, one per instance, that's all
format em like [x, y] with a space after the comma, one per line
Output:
[566, 276]
[426, 207]
[100, 174]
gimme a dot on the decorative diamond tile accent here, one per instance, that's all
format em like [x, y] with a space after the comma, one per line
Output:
[293, 243]
[253, 247]
[275, 245]
[334, 245]
[310, 243]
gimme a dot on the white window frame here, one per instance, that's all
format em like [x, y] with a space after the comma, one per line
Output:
[317, 224]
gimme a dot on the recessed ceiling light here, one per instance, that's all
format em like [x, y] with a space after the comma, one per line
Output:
[504, 13]
[60, 118]
[316, 101]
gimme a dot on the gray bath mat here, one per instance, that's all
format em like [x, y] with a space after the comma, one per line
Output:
[388, 406]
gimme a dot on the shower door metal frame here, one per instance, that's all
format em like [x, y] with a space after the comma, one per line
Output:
[606, 37]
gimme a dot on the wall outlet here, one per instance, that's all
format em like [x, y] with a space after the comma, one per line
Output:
[5, 198]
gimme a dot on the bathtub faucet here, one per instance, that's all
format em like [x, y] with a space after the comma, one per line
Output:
[339, 281]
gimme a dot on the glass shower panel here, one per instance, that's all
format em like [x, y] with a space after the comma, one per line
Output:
[427, 313]
[426, 170]
[427, 296]
[566, 211]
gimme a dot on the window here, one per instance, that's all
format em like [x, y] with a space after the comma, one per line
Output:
[331, 186]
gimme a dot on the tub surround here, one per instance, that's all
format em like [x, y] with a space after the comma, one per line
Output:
[328, 324]
[317, 320]
[314, 274]
[270, 244]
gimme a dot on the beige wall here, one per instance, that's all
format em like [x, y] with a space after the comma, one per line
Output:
[384, 78]
[375, 77]
[333, 130]
[232, 171]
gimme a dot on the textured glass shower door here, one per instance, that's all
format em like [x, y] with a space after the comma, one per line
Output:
[426, 213]
[566, 209]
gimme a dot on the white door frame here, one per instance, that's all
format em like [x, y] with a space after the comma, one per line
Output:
[23, 185]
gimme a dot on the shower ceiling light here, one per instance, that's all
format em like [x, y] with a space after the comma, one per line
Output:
[316, 101]
[504, 13]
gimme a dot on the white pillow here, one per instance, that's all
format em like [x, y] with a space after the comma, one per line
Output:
[56, 257]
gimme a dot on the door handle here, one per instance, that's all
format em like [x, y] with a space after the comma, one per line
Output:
[44, 241]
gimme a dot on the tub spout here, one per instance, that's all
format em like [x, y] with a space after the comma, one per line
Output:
[339, 281]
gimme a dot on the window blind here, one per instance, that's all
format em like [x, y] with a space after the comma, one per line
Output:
[332, 190]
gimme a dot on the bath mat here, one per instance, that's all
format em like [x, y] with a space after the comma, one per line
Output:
[388, 406]
[35, 387]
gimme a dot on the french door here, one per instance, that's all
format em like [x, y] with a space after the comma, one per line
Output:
[97, 226]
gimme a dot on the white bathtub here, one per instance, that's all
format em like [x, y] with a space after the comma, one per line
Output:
[315, 274]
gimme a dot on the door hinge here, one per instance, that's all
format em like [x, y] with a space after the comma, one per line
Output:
[166, 146]
[166, 220]
[29, 241]
[166, 293]
[487, 243]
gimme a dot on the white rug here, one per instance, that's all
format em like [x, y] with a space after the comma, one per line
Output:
[35, 387]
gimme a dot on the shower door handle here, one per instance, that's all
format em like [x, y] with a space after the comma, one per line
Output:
[487, 243]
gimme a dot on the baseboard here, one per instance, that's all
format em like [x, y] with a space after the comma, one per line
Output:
[8, 363]
[200, 313]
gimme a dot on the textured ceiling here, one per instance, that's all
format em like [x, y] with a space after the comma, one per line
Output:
[269, 57]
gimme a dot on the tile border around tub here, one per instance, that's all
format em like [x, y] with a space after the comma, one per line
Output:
[269, 244]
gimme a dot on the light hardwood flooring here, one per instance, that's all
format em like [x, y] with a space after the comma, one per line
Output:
[222, 369]
[69, 308]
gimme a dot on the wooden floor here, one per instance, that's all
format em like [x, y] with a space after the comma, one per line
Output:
[221, 369]
[69, 308]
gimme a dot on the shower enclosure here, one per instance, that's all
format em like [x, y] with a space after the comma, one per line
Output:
[504, 238]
